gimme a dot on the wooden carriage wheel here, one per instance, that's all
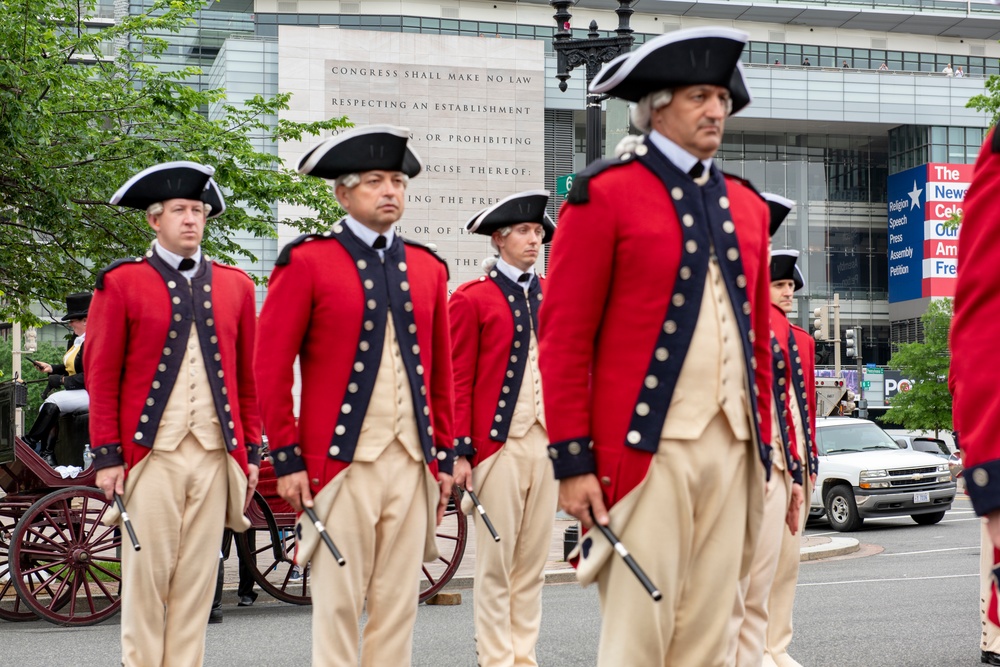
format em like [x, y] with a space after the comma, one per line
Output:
[66, 565]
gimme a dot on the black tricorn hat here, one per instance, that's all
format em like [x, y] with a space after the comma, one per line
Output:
[681, 58]
[780, 207]
[77, 306]
[172, 180]
[784, 267]
[528, 206]
[375, 147]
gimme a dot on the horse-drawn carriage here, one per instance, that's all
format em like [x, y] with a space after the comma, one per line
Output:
[58, 562]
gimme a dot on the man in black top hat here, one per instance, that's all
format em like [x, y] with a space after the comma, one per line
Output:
[67, 375]
[500, 426]
[174, 423]
[655, 356]
[365, 312]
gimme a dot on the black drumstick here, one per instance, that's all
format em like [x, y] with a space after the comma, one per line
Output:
[482, 513]
[337, 556]
[653, 591]
[127, 522]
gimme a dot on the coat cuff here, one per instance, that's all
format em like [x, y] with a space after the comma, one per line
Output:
[446, 460]
[573, 457]
[288, 460]
[795, 470]
[982, 483]
[463, 447]
[253, 454]
[108, 456]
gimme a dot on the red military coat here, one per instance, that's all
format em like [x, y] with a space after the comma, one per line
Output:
[482, 335]
[807, 354]
[613, 275]
[317, 309]
[130, 319]
[784, 381]
[975, 329]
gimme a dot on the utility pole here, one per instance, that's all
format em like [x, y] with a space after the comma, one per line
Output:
[836, 335]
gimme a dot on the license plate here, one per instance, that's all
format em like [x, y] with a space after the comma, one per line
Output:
[922, 497]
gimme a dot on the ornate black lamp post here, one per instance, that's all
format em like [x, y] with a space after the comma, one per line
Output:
[593, 52]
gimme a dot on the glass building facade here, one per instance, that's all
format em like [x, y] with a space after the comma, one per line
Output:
[835, 168]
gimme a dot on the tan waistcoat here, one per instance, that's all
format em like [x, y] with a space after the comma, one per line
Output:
[800, 436]
[390, 411]
[190, 408]
[713, 377]
[529, 408]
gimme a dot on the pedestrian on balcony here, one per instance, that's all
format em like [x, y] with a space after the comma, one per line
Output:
[948, 71]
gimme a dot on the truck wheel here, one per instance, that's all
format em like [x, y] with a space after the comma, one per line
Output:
[927, 519]
[841, 510]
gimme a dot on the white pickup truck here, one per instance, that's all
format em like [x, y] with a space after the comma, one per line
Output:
[864, 473]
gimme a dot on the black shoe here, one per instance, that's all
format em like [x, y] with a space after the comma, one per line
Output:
[247, 600]
[215, 616]
[39, 437]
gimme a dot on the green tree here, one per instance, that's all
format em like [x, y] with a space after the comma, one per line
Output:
[927, 405]
[75, 125]
[988, 102]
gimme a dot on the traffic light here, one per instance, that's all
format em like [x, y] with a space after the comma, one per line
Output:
[852, 344]
[821, 324]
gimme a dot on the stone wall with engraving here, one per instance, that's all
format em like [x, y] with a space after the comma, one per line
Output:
[474, 107]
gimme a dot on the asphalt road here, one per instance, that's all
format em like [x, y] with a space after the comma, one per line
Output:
[909, 598]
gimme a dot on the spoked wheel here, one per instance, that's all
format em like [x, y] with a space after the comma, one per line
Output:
[451, 538]
[12, 608]
[66, 565]
[270, 551]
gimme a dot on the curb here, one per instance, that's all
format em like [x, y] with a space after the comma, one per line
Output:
[837, 546]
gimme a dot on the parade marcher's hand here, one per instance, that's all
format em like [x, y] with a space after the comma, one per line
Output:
[812, 481]
[111, 481]
[463, 473]
[795, 508]
[294, 488]
[253, 474]
[55, 381]
[447, 482]
[579, 495]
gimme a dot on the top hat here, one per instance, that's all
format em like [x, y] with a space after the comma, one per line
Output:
[528, 206]
[172, 180]
[77, 306]
[681, 58]
[784, 267]
[375, 147]
[780, 207]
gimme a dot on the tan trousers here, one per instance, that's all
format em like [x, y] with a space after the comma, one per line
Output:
[991, 633]
[748, 626]
[178, 509]
[520, 496]
[379, 522]
[687, 532]
[779, 625]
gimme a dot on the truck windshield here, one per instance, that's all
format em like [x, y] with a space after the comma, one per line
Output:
[855, 437]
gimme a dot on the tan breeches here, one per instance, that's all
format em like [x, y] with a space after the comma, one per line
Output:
[748, 626]
[178, 509]
[379, 522]
[782, 599]
[520, 497]
[687, 532]
[991, 633]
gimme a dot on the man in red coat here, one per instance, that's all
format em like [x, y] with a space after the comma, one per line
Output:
[500, 426]
[656, 356]
[366, 313]
[174, 425]
[975, 401]
[783, 494]
[797, 386]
